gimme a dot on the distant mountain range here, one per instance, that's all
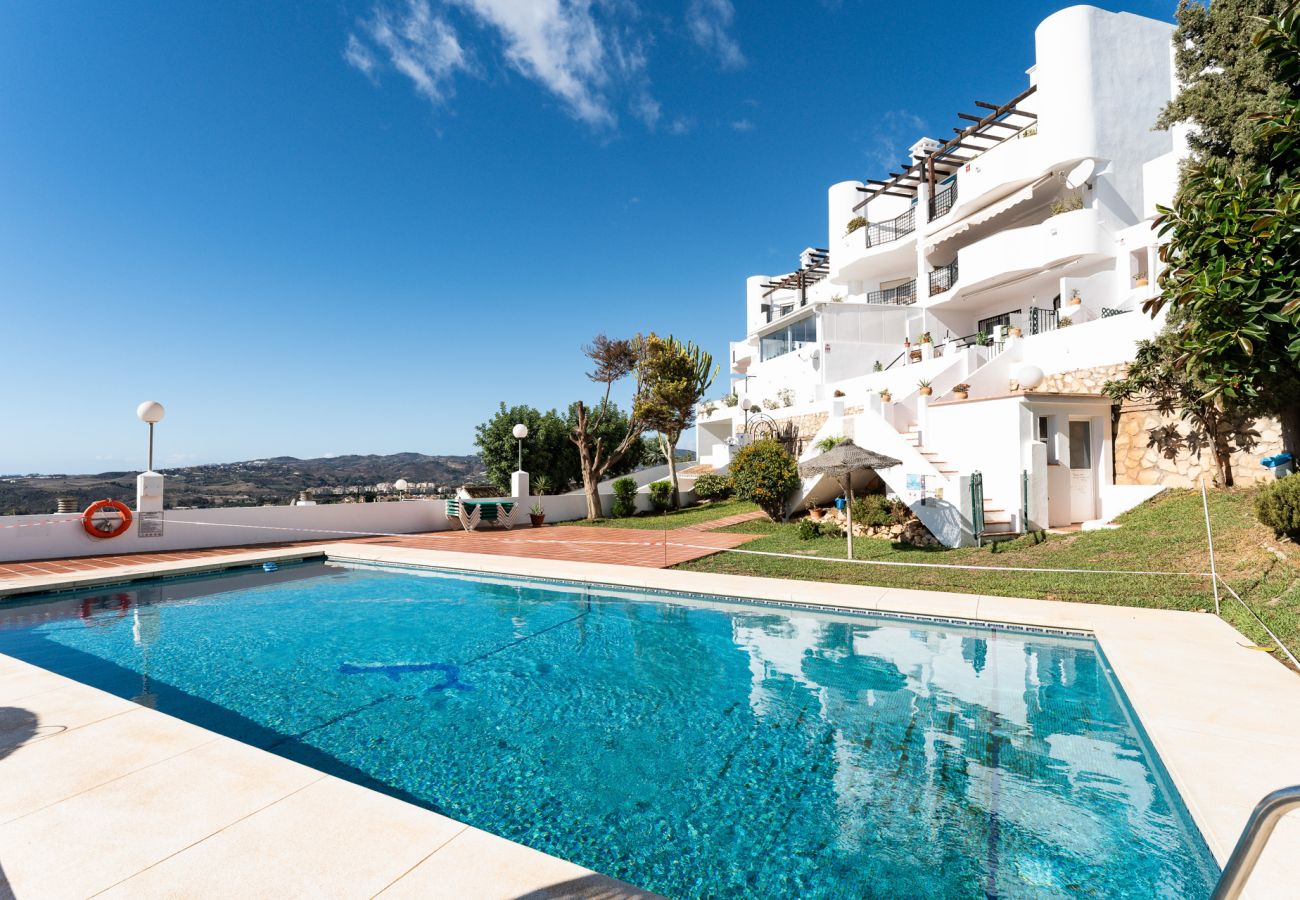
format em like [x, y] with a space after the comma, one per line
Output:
[255, 482]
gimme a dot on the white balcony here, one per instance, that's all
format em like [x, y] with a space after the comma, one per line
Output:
[1017, 259]
[877, 250]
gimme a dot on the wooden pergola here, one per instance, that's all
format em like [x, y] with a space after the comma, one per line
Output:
[817, 268]
[985, 131]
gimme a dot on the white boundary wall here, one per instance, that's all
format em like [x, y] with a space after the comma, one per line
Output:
[59, 536]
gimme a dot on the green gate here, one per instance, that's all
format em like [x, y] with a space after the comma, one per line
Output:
[977, 507]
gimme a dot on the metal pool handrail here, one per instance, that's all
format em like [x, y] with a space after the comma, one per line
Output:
[1254, 836]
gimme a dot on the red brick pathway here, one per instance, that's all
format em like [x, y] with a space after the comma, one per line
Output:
[623, 546]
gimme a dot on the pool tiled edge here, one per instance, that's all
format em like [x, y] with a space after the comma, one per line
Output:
[1225, 719]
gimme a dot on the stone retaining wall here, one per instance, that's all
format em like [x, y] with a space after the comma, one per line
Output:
[1136, 462]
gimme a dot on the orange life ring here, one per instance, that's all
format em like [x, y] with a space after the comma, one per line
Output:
[95, 528]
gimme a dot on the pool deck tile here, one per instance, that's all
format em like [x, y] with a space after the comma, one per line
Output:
[1223, 718]
[482, 865]
[329, 839]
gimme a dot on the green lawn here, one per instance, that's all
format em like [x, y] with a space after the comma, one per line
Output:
[705, 512]
[1166, 534]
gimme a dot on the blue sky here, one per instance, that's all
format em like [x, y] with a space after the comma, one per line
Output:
[323, 228]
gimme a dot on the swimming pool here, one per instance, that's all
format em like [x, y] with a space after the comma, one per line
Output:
[689, 746]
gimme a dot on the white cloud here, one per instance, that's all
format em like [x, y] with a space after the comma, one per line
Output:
[709, 23]
[648, 110]
[591, 55]
[742, 125]
[360, 57]
[557, 43]
[417, 42]
[894, 131]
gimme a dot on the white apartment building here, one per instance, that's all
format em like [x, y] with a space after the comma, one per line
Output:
[1013, 256]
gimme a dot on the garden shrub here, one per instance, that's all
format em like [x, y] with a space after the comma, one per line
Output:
[661, 495]
[872, 510]
[1277, 505]
[713, 487]
[831, 528]
[765, 473]
[624, 498]
[807, 529]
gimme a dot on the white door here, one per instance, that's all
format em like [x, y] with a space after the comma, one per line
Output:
[1083, 476]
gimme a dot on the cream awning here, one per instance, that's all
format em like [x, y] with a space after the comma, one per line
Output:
[980, 216]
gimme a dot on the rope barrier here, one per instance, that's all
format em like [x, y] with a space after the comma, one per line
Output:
[1256, 617]
[712, 549]
[885, 562]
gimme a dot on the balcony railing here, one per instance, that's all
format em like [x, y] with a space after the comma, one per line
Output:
[943, 279]
[903, 295]
[897, 227]
[943, 201]
[1043, 320]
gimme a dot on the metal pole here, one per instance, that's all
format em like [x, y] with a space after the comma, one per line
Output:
[521, 454]
[151, 446]
[1253, 838]
[1209, 536]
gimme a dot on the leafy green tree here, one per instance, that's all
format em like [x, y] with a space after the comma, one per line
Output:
[547, 449]
[1156, 376]
[1226, 79]
[766, 473]
[674, 377]
[1233, 258]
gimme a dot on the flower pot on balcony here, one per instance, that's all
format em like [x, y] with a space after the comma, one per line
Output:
[538, 521]
[1075, 301]
[1140, 282]
[816, 513]
[960, 395]
[926, 391]
[1014, 332]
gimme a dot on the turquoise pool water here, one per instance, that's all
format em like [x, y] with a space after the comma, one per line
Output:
[699, 749]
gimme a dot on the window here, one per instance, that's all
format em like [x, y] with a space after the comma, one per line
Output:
[987, 325]
[1081, 445]
[791, 337]
[1047, 434]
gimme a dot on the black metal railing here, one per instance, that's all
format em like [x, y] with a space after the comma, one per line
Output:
[943, 278]
[943, 201]
[1043, 320]
[902, 295]
[780, 310]
[897, 227]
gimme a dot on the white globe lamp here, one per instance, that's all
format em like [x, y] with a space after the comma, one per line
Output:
[520, 432]
[400, 485]
[150, 412]
[1028, 376]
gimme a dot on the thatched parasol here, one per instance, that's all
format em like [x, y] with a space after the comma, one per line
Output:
[840, 462]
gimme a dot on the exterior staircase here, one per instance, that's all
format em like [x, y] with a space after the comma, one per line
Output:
[998, 524]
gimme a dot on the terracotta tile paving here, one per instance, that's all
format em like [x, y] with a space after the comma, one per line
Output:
[623, 546]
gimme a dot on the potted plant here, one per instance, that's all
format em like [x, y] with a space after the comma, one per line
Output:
[537, 515]
[815, 512]
[925, 390]
[1075, 299]
[926, 339]
[961, 391]
[1140, 279]
[981, 339]
[854, 224]
[1014, 331]
[886, 396]
[730, 400]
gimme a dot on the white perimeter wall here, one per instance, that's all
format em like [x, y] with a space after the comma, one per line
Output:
[61, 536]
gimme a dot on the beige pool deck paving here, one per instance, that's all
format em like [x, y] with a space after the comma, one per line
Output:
[98, 794]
